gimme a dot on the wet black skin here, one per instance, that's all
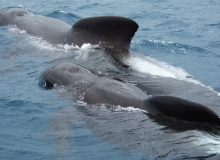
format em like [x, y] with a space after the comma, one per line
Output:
[110, 32]
[104, 90]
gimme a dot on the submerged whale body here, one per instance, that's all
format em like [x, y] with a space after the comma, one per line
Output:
[111, 32]
[103, 90]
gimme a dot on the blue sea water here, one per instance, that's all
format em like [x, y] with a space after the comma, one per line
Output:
[176, 52]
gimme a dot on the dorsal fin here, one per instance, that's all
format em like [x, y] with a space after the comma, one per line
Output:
[117, 31]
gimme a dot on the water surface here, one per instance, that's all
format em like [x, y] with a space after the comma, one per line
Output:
[176, 52]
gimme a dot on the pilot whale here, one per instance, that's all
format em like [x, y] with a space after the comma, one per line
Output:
[110, 32]
[96, 89]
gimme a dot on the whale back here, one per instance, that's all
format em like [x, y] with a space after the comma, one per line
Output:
[109, 30]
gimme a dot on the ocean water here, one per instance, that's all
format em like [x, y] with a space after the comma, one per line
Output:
[176, 51]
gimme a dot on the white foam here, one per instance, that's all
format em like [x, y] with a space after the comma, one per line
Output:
[146, 64]
[211, 144]
[15, 30]
[64, 12]
[59, 89]
[127, 109]
[159, 41]
[80, 52]
[118, 108]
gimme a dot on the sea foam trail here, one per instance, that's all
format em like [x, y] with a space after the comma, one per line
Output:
[148, 65]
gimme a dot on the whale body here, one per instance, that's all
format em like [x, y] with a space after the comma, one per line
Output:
[111, 32]
[98, 89]
[114, 34]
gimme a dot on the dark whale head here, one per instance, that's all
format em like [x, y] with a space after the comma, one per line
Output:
[96, 89]
[66, 74]
[182, 110]
[10, 14]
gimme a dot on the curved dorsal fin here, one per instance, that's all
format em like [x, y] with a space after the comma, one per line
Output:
[116, 31]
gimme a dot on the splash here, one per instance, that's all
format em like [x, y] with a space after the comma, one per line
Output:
[117, 108]
[211, 143]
